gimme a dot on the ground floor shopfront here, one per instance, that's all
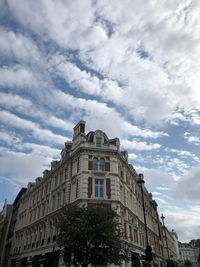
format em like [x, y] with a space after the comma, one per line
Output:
[52, 257]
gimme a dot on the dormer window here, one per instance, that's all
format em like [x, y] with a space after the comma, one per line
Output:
[98, 141]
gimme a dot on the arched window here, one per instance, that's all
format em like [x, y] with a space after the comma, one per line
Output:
[95, 164]
[102, 164]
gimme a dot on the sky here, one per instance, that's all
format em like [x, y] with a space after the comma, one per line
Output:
[130, 68]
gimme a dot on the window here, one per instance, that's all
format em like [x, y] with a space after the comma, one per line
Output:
[99, 188]
[63, 202]
[98, 164]
[98, 142]
[66, 173]
[95, 164]
[102, 164]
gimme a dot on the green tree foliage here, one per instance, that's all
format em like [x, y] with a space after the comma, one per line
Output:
[90, 235]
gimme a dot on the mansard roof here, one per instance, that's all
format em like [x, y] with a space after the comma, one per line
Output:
[90, 138]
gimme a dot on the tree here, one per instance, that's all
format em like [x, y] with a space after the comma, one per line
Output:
[91, 235]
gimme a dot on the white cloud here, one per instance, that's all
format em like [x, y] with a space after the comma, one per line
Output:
[17, 77]
[151, 87]
[41, 134]
[138, 145]
[18, 46]
[162, 188]
[113, 122]
[8, 138]
[192, 139]
[188, 186]
[184, 219]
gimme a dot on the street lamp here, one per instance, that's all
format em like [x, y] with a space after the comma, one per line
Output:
[163, 218]
[148, 250]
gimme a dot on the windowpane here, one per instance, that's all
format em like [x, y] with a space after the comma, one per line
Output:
[102, 164]
[95, 164]
[99, 187]
[98, 142]
[66, 173]
[96, 188]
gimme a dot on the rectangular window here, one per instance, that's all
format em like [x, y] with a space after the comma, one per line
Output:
[63, 202]
[66, 173]
[60, 178]
[98, 142]
[99, 187]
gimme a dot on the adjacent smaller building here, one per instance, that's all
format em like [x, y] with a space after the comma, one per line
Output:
[188, 252]
[170, 241]
[5, 216]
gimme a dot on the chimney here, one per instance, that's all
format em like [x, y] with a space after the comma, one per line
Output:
[79, 129]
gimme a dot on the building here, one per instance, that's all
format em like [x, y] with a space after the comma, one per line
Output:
[10, 259]
[188, 252]
[91, 170]
[5, 216]
[170, 241]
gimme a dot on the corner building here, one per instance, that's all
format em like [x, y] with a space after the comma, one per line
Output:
[92, 170]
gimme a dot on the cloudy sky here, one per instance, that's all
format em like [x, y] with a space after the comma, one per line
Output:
[130, 68]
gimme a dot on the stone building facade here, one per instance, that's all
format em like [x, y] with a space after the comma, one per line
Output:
[5, 217]
[189, 252]
[91, 170]
[170, 242]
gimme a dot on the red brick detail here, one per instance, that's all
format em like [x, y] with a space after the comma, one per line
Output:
[108, 193]
[90, 165]
[107, 166]
[89, 187]
[78, 165]
[130, 231]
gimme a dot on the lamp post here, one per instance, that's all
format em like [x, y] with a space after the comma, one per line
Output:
[163, 218]
[148, 247]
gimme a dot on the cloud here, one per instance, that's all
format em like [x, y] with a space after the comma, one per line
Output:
[28, 108]
[93, 111]
[18, 46]
[64, 23]
[188, 186]
[17, 77]
[24, 160]
[192, 139]
[138, 145]
[41, 134]
[184, 219]
[8, 138]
